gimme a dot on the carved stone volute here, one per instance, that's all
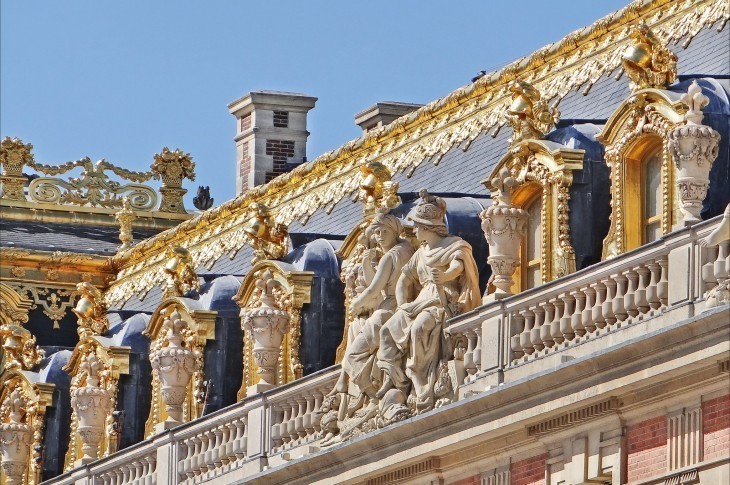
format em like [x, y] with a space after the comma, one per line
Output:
[266, 324]
[694, 147]
[92, 405]
[504, 227]
[16, 437]
[174, 364]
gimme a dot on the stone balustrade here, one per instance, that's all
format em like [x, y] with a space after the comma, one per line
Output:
[596, 309]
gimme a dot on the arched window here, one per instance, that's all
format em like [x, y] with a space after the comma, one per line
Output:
[651, 184]
[531, 255]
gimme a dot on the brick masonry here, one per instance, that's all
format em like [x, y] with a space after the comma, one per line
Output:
[647, 449]
[529, 472]
[281, 150]
[245, 122]
[716, 427]
[281, 119]
[244, 166]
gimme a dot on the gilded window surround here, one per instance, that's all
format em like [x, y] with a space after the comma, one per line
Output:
[37, 397]
[200, 329]
[549, 166]
[115, 362]
[296, 291]
[575, 62]
[633, 131]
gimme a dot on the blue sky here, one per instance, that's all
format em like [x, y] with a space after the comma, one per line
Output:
[120, 80]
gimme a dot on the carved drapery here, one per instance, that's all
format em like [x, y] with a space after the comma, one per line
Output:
[378, 193]
[197, 327]
[549, 166]
[293, 291]
[642, 121]
[95, 367]
[21, 393]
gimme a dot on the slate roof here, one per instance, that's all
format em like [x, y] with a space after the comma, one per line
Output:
[44, 236]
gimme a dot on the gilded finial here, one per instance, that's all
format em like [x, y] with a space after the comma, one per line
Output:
[377, 190]
[14, 155]
[268, 238]
[647, 62]
[172, 166]
[124, 218]
[529, 115]
[180, 271]
[19, 347]
[90, 310]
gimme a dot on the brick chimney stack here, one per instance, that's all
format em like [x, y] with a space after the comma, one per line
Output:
[271, 135]
[383, 113]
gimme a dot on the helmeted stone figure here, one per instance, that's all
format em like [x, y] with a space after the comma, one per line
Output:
[438, 282]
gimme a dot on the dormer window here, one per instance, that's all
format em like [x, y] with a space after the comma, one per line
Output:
[531, 275]
[651, 184]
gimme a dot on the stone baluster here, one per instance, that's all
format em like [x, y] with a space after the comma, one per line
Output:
[587, 314]
[478, 348]
[576, 318]
[555, 332]
[308, 427]
[526, 334]
[210, 451]
[230, 434]
[240, 441]
[469, 365]
[283, 433]
[566, 327]
[126, 472]
[608, 315]
[663, 287]
[630, 296]
[711, 254]
[597, 311]
[641, 302]
[151, 478]
[301, 416]
[291, 426]
[194, 465]
[535, 337]
[720, 266]
[652, 291]
[137, 471]
[546, 333]
[517, 324]
[217, 447]
[316, 416]
[204, 442]
[618, 299]
[184, 450]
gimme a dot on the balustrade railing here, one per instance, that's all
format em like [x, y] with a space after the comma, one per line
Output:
[678, 272]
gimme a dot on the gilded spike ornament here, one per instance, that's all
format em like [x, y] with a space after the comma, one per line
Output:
[172, 166]
[180, 271]
[647, 62]
[125, 217]
[14, 155]
[91, 310]
[529, 115]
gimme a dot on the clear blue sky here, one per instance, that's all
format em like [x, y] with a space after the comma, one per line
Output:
[120, 80]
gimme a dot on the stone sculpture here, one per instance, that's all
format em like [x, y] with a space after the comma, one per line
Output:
[16, 436]
[401, 346]
[92, 404]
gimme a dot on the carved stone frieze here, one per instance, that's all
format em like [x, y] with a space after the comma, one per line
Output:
[271, 299]
[95, 367]
[178, 329]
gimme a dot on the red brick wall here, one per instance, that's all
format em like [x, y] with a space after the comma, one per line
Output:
[647, 447]
[244, 166]
[245, 122]
[281, 150]
[475, 480]
[528, 472]
[716, 427]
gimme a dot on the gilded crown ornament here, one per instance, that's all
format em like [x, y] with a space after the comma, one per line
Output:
[172, 166]
[90, 310]
[14, 155]
[180, 271]
[528, 114]
[647, 62]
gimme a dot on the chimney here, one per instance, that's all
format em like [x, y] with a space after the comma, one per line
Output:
[381, 114]
[271, 135]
